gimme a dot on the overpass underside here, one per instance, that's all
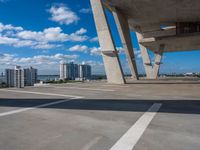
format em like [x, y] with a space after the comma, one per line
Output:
[160, 26]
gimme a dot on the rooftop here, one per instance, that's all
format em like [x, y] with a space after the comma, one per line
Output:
[98, 116]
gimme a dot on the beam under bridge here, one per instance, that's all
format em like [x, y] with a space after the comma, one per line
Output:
[157, 29]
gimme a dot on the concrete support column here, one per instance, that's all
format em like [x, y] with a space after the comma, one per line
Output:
[151, 70]
[145, 57]
[124, 32]
[157, 62]
[109, 53]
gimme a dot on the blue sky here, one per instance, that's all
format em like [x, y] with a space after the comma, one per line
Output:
[43, 33]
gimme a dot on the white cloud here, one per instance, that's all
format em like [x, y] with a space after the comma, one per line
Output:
[48, 35]
[24, 43]
[35, 60]
[15, 42]
[53, 35]
[120, 50]
[79, 48]
[63, 15]
[94, 39]
[31, 35]
[9, 27]
[96, 51]
[77, 38]
[47, 39]
[81, 31]
[97, 66]
[46, 46]
[85, 10]
[6, 59]
[137, 53]
[7, 40]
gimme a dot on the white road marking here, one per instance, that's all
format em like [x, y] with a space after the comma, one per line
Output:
[70, 97]
[40, 93]
[91, 143]
[132, 136]
[34, 107]
[81, 88]
[115, 85]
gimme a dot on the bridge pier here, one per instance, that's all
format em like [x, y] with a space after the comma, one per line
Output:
[157, 62]
[108, 49]
[110, 56]
[124, 32]
[152, 70]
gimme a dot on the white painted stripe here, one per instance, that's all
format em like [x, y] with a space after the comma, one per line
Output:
[80, 88]
[34, 107]
[40, 93]
[115, 85]
[132, 136]
[91, 143]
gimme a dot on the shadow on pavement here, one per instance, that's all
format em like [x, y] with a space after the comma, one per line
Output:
[168, 106]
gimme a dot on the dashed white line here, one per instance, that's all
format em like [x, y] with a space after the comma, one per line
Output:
[132, 136]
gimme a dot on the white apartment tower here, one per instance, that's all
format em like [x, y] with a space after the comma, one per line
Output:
[30, 76]
[85, 72]
[63, 74]
[18, 77]
[73, 71]
[68, 71]
[9, 77]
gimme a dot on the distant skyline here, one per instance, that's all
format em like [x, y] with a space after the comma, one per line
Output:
[45, 33]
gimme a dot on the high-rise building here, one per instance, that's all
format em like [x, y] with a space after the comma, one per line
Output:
[9, 77]
[73, 71]
[30, 76]
[63, 73]
[68, 71]
[85, 72]
[19, 77]
[2, 78]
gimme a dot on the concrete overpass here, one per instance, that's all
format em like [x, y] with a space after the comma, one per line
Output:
[160, 26]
